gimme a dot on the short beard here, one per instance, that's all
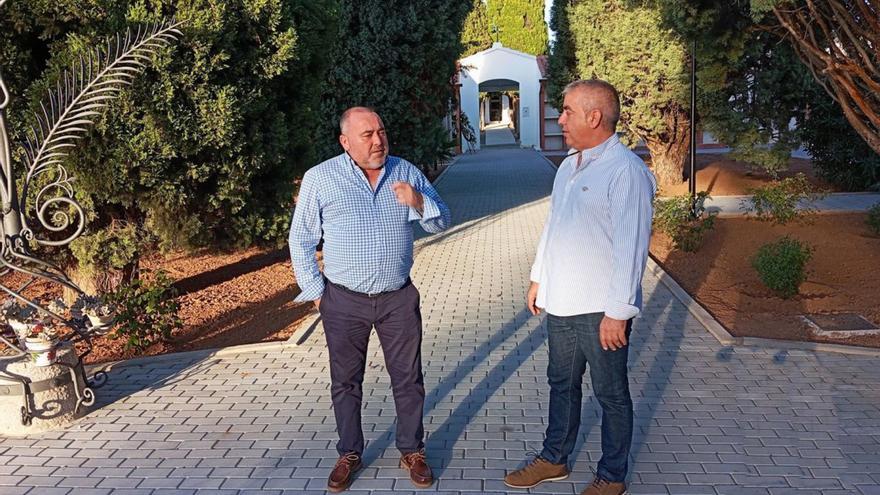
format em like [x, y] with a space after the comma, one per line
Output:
[375, 166]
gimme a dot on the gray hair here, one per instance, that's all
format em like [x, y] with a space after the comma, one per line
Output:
[602, 95]
[343, 120]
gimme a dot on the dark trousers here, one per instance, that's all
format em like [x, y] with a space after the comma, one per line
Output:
[573, 343]
[348, 318]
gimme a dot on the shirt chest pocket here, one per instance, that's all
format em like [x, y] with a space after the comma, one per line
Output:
[589, 196]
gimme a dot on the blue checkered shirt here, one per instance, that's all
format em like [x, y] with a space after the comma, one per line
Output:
[368, 235]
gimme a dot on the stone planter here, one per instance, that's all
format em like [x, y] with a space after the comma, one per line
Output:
[58, 394]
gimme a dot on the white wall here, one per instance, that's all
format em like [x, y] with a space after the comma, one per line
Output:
[503, 63]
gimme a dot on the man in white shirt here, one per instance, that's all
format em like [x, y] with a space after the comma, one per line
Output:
[587, 276]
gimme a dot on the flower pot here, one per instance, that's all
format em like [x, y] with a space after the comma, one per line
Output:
[100, 321]
[22, 329]
[42, 352]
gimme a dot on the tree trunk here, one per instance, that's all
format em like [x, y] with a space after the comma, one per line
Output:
[669, 151]
[94, 282]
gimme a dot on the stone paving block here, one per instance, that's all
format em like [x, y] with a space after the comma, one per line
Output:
[40, 490]
[119, 482]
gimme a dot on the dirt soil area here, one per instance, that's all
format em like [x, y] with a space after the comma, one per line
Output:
[842, 276]
[226, 299]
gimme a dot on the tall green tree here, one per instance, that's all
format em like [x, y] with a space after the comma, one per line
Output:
[475, 35]
[840, 155]
[753, 82]
[396, 56]
[627, 46]
[751, 85]
[520, 24]
[562, 62]
[203, 150]
[838, 41]
[755, 106]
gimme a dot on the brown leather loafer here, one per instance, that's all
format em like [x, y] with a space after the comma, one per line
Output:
[419, 472]
[343, 472]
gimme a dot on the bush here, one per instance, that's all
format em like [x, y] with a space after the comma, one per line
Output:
[781, 265]
[673, 217]
[873, 220]
[107, 257]
[203, 148]
[778, 202]
[113, 248]
[146, 312]
[840, 155]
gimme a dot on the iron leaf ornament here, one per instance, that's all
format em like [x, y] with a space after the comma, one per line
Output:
[66, 114]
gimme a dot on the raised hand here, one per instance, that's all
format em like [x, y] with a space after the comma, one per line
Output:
[408, 196]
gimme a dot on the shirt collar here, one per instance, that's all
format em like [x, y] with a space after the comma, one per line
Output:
[597, 151]
[356, 169]
[589, 155]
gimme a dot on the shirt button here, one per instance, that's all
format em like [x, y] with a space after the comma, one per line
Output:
[585, 189]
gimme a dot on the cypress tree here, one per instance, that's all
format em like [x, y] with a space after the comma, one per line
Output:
[398, 57]
[628, 47]
[475, 35]
[520, 24]
[562, 63]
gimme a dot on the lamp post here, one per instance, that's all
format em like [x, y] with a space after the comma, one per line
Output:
[692, 153]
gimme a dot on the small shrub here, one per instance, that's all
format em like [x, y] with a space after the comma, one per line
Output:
[687, 230]
[146, 312]
[873, 220]
[781, 265]
[778, 202]
[111, 248]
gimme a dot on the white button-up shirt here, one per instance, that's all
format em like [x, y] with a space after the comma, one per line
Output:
[593, 250]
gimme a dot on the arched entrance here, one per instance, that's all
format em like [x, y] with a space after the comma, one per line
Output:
[499, 112]
[500, 89]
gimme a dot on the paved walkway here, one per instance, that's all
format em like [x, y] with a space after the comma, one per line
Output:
[832, 203]
[499, 135]
[709, 419]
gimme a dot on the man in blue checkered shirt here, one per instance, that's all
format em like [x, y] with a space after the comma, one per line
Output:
[363, 203]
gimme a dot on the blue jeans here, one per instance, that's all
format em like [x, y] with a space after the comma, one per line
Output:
[574, 343]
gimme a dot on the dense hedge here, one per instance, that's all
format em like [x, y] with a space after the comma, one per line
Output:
[203, 150]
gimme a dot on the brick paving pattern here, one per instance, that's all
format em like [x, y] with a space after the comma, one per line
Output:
[709, 419]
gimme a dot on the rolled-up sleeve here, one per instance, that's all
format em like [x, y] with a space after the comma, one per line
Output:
[305, 234]
[631, 196]
[536, 273]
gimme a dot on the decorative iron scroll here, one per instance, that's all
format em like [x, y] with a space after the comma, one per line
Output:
[46, 213]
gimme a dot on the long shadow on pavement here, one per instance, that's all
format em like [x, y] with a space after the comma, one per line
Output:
[496, 378]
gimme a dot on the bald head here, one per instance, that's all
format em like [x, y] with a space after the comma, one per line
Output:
[352, 112]
[598, 94]
[363, 137]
